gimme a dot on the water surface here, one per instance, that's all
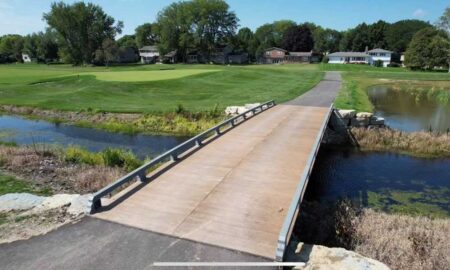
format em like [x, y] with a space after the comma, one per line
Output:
[410, 110]
[386, 181]
[25, 131]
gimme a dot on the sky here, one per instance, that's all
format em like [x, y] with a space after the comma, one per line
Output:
[25, 16]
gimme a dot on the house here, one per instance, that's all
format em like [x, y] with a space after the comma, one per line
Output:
[276, 55]
[381, 55]
[26, 58]
[149, 54]
[349, 58]
[127, 55]
[170, 57]
[221, 55]
[402, 60]
[238, 58]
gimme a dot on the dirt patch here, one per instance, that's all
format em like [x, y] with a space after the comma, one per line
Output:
[47, 170]
[16, 226]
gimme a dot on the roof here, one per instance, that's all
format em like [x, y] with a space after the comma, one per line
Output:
[275, 48]
[149, 48]
[378, 50]
[300, 53]
[349, 54]
[171, 54]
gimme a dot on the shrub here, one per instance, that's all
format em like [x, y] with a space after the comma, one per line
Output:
[81, 156]
[378, 63]
[120, 158]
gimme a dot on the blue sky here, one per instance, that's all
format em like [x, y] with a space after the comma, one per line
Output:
[25, 16]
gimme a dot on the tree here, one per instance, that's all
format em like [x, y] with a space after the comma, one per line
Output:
[82, 28]
[271, 35]
[11, 47]
[196, 25]
[298, 39]
[245, 41]
[326, 40]
[377, 34]
[47, 47]
[108, 53]
[146, 35]
[127, 41]
[444, 21]
[429, 48]
[399, 34]
[30, 44]
[361, 38]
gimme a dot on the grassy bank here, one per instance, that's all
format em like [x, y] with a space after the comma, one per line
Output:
[79, 89]
[400, 241]
[11, 184]
[419, 144]
[358, 78]
[55, 170]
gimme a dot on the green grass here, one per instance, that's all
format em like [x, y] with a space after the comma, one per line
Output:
[74, 89]
[10, 184]
[430, 202]
[147, 76]
[358, 78]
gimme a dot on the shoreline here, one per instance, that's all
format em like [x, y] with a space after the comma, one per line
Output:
[179, 123]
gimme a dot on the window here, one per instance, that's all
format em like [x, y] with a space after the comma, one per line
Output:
[382, 54]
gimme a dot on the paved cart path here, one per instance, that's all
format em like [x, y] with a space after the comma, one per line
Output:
[233, 194]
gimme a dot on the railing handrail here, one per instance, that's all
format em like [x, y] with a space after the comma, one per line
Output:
[173, 153]
[295, 203]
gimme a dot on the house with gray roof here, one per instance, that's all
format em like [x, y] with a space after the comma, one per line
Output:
[367, 57]
[381, 55]
[149, 54]
[349, 58]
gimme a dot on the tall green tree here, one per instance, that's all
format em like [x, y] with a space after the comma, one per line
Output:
[195, 25]
[326, 40]
[271, 34]
[377, 35]
[82, 28]
[399, 34]
[298, 39]
[127, 41]
[246, 42]
[444, 21]
[11, 47]
[146, 34]
[429, 48]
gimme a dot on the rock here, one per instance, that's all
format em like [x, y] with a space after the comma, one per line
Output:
[320, 258]
[53, 202]
[360, 122]
[80, 205]
[379, 121]
[347, 114]
[231, 110]
[19, 202]
[251, 105]
[364, 115]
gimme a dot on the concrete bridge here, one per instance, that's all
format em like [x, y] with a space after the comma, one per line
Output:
[232, 196]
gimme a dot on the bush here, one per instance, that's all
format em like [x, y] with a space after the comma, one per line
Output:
[120, 158]
[108, 157]
[378, 63]
[393, 64]
[81, 156]
[325, 59]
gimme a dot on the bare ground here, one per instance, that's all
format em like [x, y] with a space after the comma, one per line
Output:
[46, 169]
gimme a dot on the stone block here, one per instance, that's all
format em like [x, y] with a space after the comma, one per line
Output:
[347, 114]
[360, 122]
[364, 115]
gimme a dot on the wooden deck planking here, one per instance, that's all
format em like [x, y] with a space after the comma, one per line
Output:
[236, 190]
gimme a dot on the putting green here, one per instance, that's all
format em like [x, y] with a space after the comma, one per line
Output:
[145, 76]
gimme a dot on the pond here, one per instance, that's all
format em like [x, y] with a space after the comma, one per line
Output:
[25, 131]
[385, 181]
[410, 110]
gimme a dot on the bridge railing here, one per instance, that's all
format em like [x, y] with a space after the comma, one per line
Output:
[175, 152]
[286, 230]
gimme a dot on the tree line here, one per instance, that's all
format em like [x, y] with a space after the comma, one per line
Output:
[82, 33]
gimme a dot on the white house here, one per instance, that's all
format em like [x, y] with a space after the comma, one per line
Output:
[349, 58]
[382, 55]
[149, 54]
[26, 58]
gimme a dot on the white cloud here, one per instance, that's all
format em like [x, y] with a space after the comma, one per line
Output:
[419, 13]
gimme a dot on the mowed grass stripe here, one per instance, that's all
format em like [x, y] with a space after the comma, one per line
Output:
[225, 86]
[147, 76]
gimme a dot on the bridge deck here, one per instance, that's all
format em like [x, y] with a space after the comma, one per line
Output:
[236, 190]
